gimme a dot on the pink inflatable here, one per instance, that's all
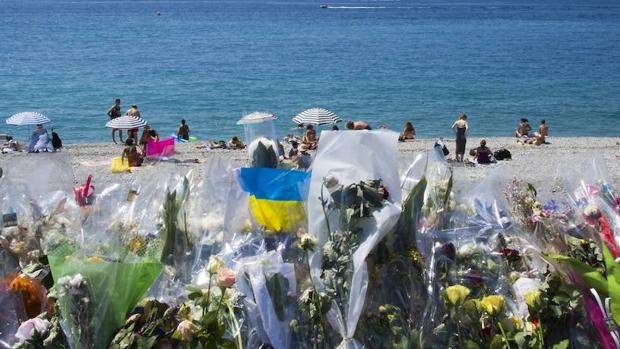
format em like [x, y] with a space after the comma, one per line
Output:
[164, 147]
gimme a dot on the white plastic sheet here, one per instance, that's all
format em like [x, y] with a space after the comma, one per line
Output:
[351, 157]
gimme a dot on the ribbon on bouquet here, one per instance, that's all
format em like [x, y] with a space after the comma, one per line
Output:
[85, 193]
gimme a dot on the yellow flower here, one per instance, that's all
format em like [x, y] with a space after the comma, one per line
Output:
[137, 244]
[215, 264]
[492, 304]
[532, 299]
[457, 294]
[95, 259]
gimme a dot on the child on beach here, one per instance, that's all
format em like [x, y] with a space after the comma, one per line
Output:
[543, 129]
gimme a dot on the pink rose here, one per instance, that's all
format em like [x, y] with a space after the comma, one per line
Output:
[226, 278]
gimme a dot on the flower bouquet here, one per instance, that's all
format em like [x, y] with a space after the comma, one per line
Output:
[101, 274]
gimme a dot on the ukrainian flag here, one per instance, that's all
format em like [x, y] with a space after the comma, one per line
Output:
[276, 196]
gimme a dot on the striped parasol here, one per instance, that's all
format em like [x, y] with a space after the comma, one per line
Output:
[126, 122]
[316, 116]
[27, 118]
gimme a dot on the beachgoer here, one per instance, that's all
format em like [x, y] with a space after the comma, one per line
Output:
[310, 138]
[56, 141]
[358, 125]
[235, 143]
[113, 113]
[303, 159]
[538, 139]
[335, 128]
[217, 144]
[153, 136]
[145, 136]
[543, 129]
[133, 111]
[131, 153]
[39, 140]
[183, 132]
[482, 154]
[460, 127]
[408, 133]
[523, 129]
[294, 150]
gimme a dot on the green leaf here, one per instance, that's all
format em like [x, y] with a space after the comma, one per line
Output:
[563, 344]
[590, 275]
[412, 208]
[613, 279]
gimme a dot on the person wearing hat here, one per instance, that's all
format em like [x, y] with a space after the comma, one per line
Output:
[294, 150]
[133, 111]
[303, 159]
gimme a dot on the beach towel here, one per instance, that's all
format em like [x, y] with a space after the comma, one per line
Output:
[119, 165]
[276, 196]
[164, 147]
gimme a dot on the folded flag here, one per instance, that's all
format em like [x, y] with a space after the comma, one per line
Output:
[276, 196]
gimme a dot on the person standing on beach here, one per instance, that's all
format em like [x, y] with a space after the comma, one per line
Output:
[133, 111]
[460, 128]
[113, 113]
[183, 132]
[543, 129]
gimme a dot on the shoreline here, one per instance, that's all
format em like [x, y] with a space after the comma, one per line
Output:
[538, 164]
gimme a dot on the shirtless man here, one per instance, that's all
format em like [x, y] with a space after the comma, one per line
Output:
[133, 111]
[115, 112]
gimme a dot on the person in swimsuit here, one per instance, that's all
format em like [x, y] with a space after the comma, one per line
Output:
[133, 111]
[482, 154]
[543, 129]
[460, 128]
[310, 138]
[523, 129]
[113, 113]
[408, 133]
[183, 132]
[131, 154]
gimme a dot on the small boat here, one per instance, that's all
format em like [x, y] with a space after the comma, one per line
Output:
[324, 6]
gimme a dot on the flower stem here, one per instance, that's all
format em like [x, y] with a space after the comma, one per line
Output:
[204, 309]
[315, 297]
[323, 203]
[219, 305]
[501, 329]
[235, 326]
[541, 343]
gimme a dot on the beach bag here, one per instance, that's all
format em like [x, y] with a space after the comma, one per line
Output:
[502, 154]
[119, 165]
[56, 141]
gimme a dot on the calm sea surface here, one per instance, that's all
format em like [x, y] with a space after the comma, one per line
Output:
[386, 62]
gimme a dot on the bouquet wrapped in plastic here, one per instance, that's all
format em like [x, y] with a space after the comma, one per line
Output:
[353, 203]
[102, 271]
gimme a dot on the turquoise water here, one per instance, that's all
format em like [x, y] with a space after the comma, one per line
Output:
[382, 61]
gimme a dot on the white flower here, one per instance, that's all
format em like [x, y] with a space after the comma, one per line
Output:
[215, 264]
[591, 210]
[28, 328]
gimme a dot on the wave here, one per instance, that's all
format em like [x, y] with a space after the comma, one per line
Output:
[356, 7]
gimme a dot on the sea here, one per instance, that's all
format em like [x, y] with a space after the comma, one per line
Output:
[382, 61]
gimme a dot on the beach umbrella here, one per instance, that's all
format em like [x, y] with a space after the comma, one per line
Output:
[316, 116]
[27, 118]
[126, 122]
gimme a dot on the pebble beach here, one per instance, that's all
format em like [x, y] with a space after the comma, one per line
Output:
[569, 156]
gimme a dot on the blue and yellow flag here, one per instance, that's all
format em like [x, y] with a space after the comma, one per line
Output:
[276, 196]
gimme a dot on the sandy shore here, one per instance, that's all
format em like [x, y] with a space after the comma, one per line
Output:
[537, 164]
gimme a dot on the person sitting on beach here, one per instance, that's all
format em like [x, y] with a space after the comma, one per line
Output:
[12, 145]
[303, 159]
[131, 153]
[294, 150]
[113, 113]
[523, 129]
[56, 141]
[358, 125]
[183, 131]
[39, 140]
[408, 133]
[235, 143]
[153, 136]
[144, 138]
[482, 154]
[310, 138]
[543, 129]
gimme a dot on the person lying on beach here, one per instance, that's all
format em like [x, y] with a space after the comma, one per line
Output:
[310, 138]
[358, 125]
[523, 129]
[12, 146]
[131, 153]
[217, 144]
[482, 154]
[408, 133]
[235, 143]
[538, 139]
